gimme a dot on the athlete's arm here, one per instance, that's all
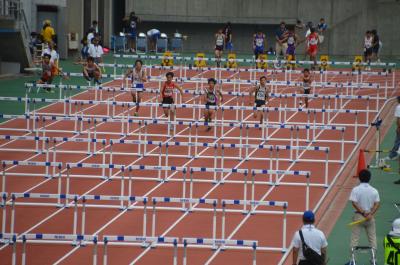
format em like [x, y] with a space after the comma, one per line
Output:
[251, 93]
[221, 98]
[179, 88]
[98, 68]
[144, 78]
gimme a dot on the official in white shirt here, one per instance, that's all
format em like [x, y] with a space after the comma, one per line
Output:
[365, 201]
[96, 51]
[313, 237]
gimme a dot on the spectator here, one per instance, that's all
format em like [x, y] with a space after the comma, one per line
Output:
[51, 49]
[228, 37]
[365, 201]
[48, 33]
[395, 150]
[95, 26]
[90, 35]
[96, 51]
[376, 45]
[131, 22]
[258, 43]
[312, 237]
[281, 40]
[153, 36]
[321, 27]
[85, 49]
[391, 244]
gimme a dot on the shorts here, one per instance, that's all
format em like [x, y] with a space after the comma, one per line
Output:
[375, 49]
[258, 51]
[307, 91]
[312, 50]
[46, 79]
[229, 45]
[259, 103]
[155, 37]
[291, 50]
[211, 104]
[167, 100]
[137, 87]
[219, 47]
[368, 52]
[132, 34]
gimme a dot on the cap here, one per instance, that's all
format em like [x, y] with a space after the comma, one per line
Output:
[308, 216]
[396, 226]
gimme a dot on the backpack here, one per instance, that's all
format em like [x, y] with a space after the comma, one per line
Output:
[311, 255]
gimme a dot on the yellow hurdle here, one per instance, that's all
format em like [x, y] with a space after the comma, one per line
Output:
[199, 62]
[324, 59]
[291, 62]
[357, 63]
[167, 61]
[262, 64]
[231, 63]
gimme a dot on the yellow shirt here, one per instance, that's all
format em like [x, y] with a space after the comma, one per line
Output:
[48, 34]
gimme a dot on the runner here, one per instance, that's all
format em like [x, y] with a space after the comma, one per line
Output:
[49, 71]
[307, 80]
[91, 71]
[258, 43]
[368, 48]
[261, 97]
[167, 93]
[212, 97]
[312, 50]
[292, 42]
[219, 46]
[138, 77]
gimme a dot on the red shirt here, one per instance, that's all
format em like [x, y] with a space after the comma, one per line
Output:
[312, 40]
[168, 90]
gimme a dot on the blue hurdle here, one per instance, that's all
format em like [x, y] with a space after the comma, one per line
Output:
[253, 204]
[143, 240]
[215, 243]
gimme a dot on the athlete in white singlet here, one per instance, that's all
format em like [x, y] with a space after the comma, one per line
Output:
[137, 75]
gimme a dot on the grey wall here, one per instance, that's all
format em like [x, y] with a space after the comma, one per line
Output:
[347, 19]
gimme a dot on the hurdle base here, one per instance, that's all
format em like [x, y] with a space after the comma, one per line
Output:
[48, 177]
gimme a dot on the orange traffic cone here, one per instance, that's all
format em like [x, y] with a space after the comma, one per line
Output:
[361, 163]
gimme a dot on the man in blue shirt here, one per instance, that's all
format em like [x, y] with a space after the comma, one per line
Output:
[321, 27]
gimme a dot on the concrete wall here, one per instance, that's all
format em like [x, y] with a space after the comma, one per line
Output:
[347, 19]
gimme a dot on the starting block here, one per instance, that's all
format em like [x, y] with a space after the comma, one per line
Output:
[324, 59]
[357, 63]
[231, 63]
[290, 62]
[167, 61]
[200, 62]
[262, 63]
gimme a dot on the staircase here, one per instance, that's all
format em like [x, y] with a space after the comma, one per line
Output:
[15, 37]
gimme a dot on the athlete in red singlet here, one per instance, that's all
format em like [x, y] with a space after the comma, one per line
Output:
[167, 95]
[313, 40]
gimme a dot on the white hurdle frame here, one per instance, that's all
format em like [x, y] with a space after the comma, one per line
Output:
[215, 243]
[142, 240]
[252, 203]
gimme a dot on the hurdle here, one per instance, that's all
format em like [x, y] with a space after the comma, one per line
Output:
[47, 166]
[254, 172]
[184, 202]
[218, 243]
[4, 211]
[142, 240]
[253, 211]
[58, 239]
[58, 197]
[121, 199]
[10, 238]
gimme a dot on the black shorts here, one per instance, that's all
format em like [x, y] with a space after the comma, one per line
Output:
[368, 52]
[167, 100]
[211, 104]
[375, 49]
[219, 48]
[307, 91]
[47, 80]
[260, 103]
